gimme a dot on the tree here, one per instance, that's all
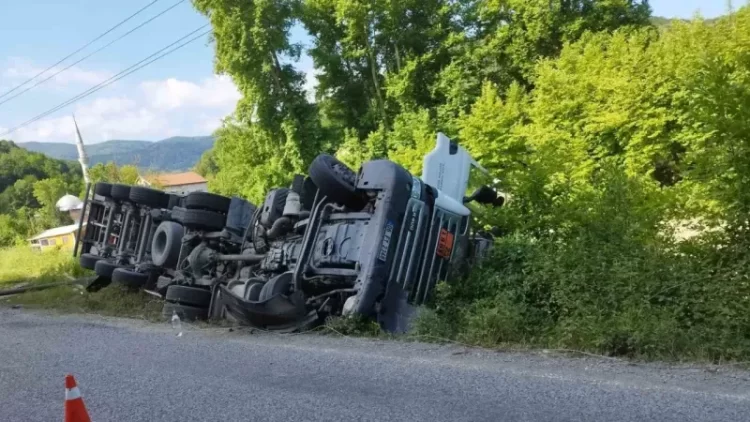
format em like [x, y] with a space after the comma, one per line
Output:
[274, 120]
[503, 40]
[207, 166]
[48, 192]
[111, 173]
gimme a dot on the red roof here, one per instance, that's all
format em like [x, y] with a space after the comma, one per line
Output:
[177, 179]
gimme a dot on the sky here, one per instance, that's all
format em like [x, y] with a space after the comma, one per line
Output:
[177, 95]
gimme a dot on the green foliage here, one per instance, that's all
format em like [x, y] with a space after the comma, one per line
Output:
[621, 134]
[275, 128]
[603, 129]
[111, 173]
[207, 166]
[21, 264]
[30, 185]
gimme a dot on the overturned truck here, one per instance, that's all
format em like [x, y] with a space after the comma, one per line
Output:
[373, 243]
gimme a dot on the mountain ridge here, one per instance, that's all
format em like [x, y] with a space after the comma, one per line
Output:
[170, 154]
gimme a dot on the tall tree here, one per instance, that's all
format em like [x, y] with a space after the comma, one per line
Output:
[503, 39]
[253, 46]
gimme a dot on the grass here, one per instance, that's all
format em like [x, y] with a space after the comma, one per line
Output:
[111, 301]
[20, 264]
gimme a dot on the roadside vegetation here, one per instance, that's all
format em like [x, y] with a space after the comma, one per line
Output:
[20, 264]
[110, 301]
[609, 134]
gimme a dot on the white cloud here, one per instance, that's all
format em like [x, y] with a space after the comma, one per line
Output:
[215, 92]
[157, 110]
[19, 70]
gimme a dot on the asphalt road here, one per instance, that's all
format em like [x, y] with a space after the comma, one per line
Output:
[136, 371]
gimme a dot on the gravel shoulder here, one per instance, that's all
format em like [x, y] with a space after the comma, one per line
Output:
[137, 370]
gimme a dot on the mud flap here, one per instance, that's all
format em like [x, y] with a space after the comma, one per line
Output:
[396, 314]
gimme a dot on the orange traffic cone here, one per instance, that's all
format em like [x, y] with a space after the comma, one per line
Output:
[75, 410]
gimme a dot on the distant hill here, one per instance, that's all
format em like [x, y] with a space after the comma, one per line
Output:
[661, 22]
[171, 154]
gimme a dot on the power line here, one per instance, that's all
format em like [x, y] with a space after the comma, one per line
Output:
[133, 68]
[80, 49]
[86, 56]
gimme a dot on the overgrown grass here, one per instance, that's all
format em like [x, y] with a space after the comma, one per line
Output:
[607, 298]
[21, 264]
[111, 301]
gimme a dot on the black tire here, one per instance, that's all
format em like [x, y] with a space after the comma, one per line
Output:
[186, 313]
[203, 220]
[186, 295]
[277, 285]
[307, 197]
[166, 244]
[174, 201]
[176, 214]
[89, 261]
[336, 181]
[151, 198]
[120, 192]
[163, 283]
[103, 189]
[207, 201]
[105, 268]
[129, 278]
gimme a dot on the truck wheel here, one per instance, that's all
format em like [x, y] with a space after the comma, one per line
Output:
[176, 214]
[185, 295]
[151, 198]
[120, 192]
[203, 220]
[129, 278]
[166, 245]
[307, 197]
[187, 313]
[207, 201]
[336, 181]
[277, 285]
[89, 261]
[103, 189]
[105, 268]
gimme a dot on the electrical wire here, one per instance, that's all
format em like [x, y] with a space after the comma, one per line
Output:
[81, 48]
[133, 68]
[89, 55]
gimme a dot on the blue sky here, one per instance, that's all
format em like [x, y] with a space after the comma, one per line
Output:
[178, 95]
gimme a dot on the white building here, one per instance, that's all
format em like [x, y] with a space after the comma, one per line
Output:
[179, 183]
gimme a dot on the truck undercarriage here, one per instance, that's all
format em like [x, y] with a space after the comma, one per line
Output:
[373, 243]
